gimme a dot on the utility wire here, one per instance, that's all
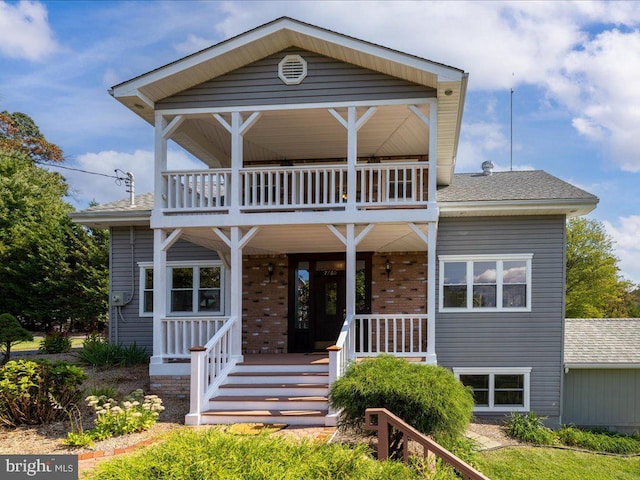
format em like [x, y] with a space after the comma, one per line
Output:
[55, 165]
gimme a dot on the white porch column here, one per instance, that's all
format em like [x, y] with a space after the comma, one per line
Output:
[160, 161]
[433, 149]
[431, 293]
[159, 292]
[350, 270]
[236, 292]
[352, 124]
[237, 129]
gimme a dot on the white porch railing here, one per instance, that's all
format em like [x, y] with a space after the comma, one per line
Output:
[399, 335]
[371, 335]
[392, 184]
[301, 187]
[196, 190]
[210, 365]
[179, 334]
[294, 187]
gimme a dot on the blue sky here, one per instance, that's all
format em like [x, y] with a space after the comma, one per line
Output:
[573, 67]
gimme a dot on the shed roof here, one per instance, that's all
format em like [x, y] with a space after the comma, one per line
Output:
[602, 342]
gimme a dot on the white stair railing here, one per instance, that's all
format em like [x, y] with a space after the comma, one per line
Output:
[210, 365]
[343, 351]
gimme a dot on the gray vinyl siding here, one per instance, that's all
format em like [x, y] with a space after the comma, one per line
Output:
[602, 398]
[496, 339]
[125, 277]
[328, 80]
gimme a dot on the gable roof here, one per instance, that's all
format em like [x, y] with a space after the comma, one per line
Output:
[602, 343]
[503, 193]
[517, 192]
[143, 93]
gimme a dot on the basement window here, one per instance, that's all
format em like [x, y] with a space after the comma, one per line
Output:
[292, 69]
[497, 389]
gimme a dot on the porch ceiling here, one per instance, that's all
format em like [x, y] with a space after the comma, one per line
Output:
[271, 240]
[309, 134]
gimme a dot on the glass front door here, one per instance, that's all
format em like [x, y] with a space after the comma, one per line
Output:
[317, 298]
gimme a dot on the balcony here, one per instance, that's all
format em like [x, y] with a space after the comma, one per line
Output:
[297, 188]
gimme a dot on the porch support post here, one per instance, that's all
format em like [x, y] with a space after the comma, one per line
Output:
[431, 293]
[433, 149]
[160, 161]
[159, 293]
[237, 129]
[236, 292]
[352, 124]
[236, 242]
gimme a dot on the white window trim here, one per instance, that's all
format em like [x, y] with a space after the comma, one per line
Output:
[492, 372]
[143, 267]
[469, 260]
[186, 264]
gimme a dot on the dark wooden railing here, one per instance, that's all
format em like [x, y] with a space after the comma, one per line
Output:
[381, 419]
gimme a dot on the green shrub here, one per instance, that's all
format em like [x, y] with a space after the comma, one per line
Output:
[530, 429]
[38, 392]
[107, 391]
[137, 412]
[98, 352]
[599, 441]
[11, 333]
[212, 454]
[427, 397]
[55, 342]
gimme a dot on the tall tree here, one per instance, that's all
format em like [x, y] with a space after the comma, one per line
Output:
[594, 287]
[20, 134]
[51, 270]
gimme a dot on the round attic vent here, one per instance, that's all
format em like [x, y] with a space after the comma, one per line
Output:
[292, 69]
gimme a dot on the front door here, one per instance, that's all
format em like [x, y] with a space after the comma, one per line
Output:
[317, 298]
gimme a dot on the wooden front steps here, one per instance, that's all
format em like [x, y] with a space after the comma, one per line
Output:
[290, 389]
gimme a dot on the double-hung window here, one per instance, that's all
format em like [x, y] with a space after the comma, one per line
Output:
[485, 282]
[497, 389]
[192, 288]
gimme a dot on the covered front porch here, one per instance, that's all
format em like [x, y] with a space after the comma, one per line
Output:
[373, 279]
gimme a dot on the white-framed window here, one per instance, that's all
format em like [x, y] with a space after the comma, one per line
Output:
[192, 288]
[497, 389]
[146, 289]
[485, 282]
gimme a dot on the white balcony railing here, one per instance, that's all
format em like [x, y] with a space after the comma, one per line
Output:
[322, 187]
[179, 334]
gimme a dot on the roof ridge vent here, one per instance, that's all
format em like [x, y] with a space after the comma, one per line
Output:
[487, 168]
[292, 69]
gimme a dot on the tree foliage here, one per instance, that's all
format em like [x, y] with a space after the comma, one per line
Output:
[20, 134]
[11, 333]
[594, 287]
[51, 270]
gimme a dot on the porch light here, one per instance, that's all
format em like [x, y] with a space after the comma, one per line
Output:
[387, 268]
[270, 271]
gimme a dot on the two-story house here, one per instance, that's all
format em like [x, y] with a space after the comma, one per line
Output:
[326, 224]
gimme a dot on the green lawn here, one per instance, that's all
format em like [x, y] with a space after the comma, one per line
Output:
[531, 463]
[76, 342]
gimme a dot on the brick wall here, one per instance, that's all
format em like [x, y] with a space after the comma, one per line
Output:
[168, 386]
[406, 289]
[264, 304]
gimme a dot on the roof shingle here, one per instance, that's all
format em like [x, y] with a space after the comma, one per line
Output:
[602, 341]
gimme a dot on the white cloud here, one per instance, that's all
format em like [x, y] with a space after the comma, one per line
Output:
[25, 30]
[192, 44]
[627, 238]
[85, 187]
